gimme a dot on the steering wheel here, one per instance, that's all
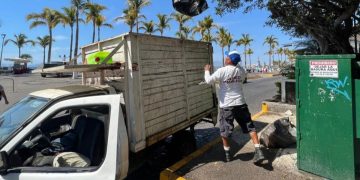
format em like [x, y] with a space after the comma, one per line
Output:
[39, 141]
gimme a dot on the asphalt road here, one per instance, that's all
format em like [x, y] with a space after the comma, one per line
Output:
[259, 90]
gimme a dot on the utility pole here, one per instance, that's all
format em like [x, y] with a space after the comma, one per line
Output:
[2, 47]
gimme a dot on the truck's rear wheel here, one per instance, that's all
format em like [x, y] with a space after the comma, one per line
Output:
[43, 75]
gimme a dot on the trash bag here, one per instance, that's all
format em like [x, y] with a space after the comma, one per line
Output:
[190, 7]
[279, 134]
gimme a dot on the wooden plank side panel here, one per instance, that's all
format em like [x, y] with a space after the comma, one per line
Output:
[170, 121]
[201, 107]
[162, 96]
[155, 83]
[163, 103]
[164, 110]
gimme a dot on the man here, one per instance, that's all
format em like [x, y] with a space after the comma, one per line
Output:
[232, 103]
[2, 94]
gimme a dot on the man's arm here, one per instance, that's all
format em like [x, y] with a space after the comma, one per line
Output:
[210, 79]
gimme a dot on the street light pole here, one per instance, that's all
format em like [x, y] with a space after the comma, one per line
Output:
[2, 47]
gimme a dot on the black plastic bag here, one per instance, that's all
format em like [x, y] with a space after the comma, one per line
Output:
[279, 134]
[190, 7]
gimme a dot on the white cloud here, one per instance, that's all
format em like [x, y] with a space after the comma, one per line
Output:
[60, 38]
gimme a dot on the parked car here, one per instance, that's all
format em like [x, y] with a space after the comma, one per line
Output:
[57, 74]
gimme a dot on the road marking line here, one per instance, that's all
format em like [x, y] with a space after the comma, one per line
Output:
[170, 172]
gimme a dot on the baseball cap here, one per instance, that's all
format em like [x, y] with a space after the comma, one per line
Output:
[234, 56]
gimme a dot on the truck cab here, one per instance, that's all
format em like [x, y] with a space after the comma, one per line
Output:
[75, 132]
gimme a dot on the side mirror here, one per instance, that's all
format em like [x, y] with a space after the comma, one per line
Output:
[4, 162]
[190, 7]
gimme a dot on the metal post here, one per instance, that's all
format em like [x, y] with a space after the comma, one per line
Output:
[2, 47]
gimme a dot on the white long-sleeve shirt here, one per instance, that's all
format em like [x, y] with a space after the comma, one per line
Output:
[231, 80]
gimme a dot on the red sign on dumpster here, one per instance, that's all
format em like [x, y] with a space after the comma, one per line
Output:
[324, 69]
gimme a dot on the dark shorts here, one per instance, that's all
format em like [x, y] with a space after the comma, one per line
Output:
[239, 113]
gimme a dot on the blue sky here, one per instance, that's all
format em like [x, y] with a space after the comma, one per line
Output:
[13, 21]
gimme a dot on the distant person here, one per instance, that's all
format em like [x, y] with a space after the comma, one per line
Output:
[3, 95]
[232, 103]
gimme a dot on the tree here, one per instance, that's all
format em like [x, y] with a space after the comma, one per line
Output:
[249, 52]
[68, 17]
[26, 56]
[245, 40]
[20, 41]
[101, 22]
[79, 5]
[221, 40]
[280, 52]
[44, 42]
[332, 29]
[93, 12]
[184, 33]
[49, 18]
[129, 17]
[181, 19]
[137, 5]
[149, 27]
[272, 42]
[163, 23]
[205, 26]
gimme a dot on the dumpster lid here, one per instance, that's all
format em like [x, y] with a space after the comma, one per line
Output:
[327, 56]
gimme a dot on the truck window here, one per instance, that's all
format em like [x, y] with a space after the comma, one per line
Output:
[70, 138]
[14, 117]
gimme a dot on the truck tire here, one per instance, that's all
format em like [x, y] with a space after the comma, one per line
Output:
[43, 75]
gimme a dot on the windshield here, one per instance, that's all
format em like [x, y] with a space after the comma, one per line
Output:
[19, 113]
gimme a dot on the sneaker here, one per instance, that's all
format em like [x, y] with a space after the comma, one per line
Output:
[259, 156]
[227, 156]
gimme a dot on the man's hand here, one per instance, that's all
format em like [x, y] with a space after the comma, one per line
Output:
[207, 67]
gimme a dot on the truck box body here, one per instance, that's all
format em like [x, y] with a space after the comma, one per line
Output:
[159, 78]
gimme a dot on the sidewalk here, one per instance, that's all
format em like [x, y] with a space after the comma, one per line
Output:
[211, 165]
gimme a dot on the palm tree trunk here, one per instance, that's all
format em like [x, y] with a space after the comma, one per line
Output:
[50, 45]
[223, 58]
[98, 33]
[250, 60]
[245, 55]
[19, 49]
[76, 36]
[137, 25]
[71, 42]
[94, 28]
[44, 54]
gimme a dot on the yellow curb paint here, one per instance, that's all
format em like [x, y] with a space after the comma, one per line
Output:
[170, 172]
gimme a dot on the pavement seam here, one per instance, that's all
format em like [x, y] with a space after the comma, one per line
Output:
[170, 172]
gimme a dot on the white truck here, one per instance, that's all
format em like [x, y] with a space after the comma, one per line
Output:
[150, 92]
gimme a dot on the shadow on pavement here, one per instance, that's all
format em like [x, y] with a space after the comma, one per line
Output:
[238, 151]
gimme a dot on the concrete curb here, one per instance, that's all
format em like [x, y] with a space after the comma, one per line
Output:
[170, 172]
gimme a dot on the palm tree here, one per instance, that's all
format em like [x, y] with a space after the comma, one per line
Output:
[280, 52]
[205, 26]
[272, 42]
[101, 22]
[44, 42]
[79, 5]
[163, 23]
[49, 18]
[26, 56]
[184, 33]
[137, 5]
[245, 40]
[250, 52]
[92, 12]
[229, 40]
[129, 17]
[68, 17]
[208, 38]
[149, 27]
[20, 41]
[221, 39]
[181, 19]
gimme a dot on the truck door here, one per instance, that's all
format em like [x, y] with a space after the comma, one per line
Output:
[81, 138]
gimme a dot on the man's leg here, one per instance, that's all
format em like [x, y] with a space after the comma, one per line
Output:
[2, 93]
[226, 128]
[243, 117]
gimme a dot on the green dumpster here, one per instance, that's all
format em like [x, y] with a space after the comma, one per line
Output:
[328, 115]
